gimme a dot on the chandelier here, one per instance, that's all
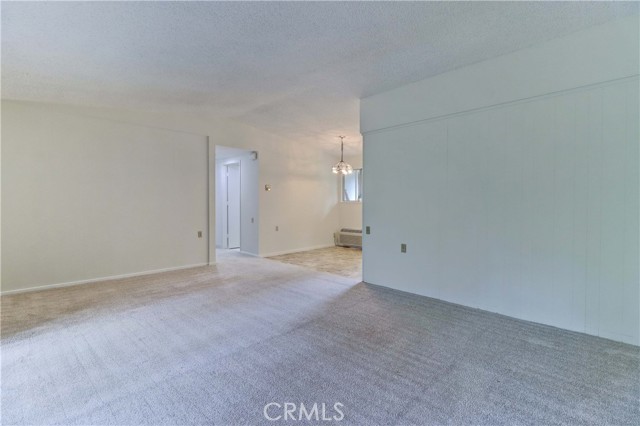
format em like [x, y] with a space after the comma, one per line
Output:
[342, 167]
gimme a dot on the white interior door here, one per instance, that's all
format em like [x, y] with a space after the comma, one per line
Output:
[233, 205]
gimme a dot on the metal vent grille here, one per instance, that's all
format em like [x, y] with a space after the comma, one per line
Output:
[352, 231]
[348, 238]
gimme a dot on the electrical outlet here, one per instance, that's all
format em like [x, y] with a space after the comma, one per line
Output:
[277, 228]
[368, 230]
[199, 234]
[403, 248]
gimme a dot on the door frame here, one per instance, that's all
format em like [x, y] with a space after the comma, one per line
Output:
[225, 212]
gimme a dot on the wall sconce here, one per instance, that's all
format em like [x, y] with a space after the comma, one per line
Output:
[267, 187]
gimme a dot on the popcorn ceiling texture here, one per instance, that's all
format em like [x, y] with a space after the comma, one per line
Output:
[294, 69]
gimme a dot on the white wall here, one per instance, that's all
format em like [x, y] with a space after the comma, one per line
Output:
[249, 195]
[86, 198]
[350, 212]
[303, 202]
[519, 184]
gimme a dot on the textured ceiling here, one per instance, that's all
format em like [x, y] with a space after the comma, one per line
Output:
[294, 69]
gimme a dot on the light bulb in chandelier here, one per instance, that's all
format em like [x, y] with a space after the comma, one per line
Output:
[341, 167]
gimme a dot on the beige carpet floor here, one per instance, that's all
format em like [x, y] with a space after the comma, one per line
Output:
[214, 345]
[343, 261]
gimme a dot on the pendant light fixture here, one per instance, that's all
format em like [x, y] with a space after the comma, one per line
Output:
[342, 167]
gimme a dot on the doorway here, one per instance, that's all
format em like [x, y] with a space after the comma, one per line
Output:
[236, 199]
[233, 201]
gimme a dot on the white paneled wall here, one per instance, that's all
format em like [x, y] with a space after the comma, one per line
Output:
[529, 209]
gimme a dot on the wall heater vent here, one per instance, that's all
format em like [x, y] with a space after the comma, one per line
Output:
[348, 237]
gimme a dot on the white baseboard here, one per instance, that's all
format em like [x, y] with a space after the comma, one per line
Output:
[94, 280]
[278, 253]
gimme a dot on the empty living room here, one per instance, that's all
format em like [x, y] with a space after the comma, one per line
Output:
[358, 213]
